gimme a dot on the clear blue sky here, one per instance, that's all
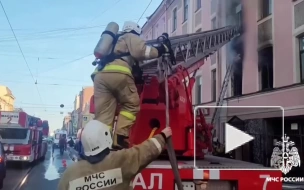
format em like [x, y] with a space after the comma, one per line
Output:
[57, 38]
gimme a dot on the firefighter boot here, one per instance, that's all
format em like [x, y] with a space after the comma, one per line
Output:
[120, 142]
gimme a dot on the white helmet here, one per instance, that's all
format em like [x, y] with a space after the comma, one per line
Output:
[95, 138]
[129, 26]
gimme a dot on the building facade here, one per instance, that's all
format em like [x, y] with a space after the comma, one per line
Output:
[84, 99]
[67, 124]
[7, 99]
[271, 72]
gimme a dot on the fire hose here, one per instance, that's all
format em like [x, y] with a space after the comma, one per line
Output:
[165, 68]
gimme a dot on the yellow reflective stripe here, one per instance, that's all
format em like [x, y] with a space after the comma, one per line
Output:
[152, 132]
[128, 115]
[117, 68]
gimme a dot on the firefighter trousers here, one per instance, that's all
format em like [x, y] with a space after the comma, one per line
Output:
[110, 89]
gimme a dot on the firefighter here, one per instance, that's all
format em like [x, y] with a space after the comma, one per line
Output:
[103, 168]
[114, 83]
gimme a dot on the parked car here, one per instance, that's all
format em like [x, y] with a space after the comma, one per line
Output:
[2, 165]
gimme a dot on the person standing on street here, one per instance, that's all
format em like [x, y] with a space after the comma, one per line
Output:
[114, 83]
[100, 165]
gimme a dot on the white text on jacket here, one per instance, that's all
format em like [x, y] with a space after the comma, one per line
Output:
[97, 181]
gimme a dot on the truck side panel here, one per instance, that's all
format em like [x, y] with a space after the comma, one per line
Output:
[163, 179]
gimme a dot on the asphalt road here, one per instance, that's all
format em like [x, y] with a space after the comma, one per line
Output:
[46, 175]
[14, 175]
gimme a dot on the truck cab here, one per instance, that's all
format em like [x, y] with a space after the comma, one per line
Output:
[22, 137]
[59, 134]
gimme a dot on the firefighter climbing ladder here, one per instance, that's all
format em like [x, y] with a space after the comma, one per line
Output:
[188, 50]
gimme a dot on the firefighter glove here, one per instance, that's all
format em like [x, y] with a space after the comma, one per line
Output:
[162, 49]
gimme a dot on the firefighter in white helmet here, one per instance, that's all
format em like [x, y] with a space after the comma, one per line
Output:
[114, 83]
[102, 168]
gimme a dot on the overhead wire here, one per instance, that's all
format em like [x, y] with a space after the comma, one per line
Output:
[51, 58]
[93, 19]
[47, 77]
[144, 11]
[54, 32]
[67, 63]
[46, 84]
[27, 103]
[21, 50]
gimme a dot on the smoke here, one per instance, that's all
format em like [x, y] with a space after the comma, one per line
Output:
[235, 50]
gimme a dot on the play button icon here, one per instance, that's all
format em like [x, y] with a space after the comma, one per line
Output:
[235, 138]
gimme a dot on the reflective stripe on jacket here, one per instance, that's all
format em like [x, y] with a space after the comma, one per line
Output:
[138, 50]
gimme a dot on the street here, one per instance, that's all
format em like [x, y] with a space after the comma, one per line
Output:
[14, 176]
[45, 175]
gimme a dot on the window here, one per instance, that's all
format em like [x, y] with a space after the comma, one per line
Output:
[174, 23]
[186, 9]
[265, 8]
[237, 79]
[213, 84]
[213, 23]
[198, 4]
[198, 81]
[266, 68]
[301, 40]
[239, 18]
[13, 133]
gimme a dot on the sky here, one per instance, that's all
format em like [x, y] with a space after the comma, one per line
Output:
[57, 39]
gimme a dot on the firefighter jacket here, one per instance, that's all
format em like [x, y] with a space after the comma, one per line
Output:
[116, 171]
[139, 51]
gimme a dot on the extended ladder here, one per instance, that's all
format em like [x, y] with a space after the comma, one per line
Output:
[191, 48]
[188, 51]
[223, 92]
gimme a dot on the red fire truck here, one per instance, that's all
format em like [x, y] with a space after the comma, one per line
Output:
[21, 135]
[192, 136]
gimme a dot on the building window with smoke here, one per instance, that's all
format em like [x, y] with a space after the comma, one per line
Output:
[213, 85]
[198, 4]
[301, 40]
[186, 10]
[174, 23]
[265, 8]
[266, 68]
[198, 82]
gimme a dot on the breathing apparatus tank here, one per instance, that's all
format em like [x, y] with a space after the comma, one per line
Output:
[105, 43]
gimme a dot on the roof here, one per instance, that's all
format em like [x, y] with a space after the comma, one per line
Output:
[149, 17]
[7, 91]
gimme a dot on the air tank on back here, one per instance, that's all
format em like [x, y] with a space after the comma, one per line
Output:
[105, 43]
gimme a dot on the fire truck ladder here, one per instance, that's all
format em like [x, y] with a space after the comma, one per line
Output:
[188, 50]
[191, 48]
[224, 88]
